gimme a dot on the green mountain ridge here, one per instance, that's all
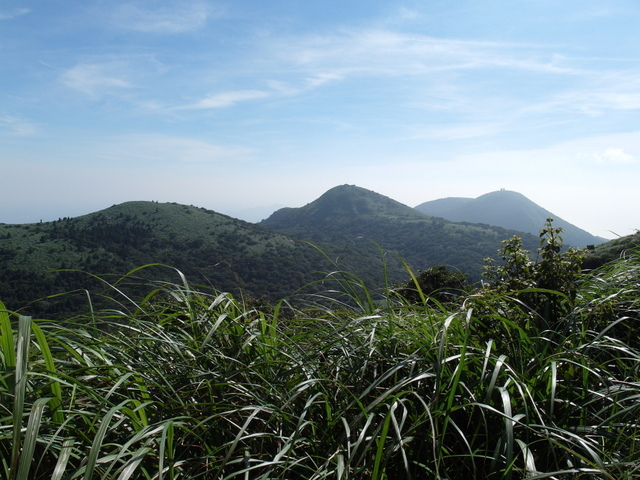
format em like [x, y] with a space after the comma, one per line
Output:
[348, 228]
[341, 205]
[348, 213]
[206, 246]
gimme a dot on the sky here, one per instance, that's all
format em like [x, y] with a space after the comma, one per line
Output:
[245, 106]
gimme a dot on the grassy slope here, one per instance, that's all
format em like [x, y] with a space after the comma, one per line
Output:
[196, 385]
[207, 246]
[612, 250]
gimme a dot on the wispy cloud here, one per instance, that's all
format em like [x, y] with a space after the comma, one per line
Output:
[459, 131]
[177, 17]
[393, 53]
[476, 79]
[17, 126]
[592, 94]
[17, 12]
[165, 148]
[616, 156]
[597, 101]
[321, 78]
[116, 75]
[226, 99]
[495, 86]
[301, 85]
[95, 78]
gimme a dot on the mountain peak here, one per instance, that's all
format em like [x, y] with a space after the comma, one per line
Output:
[503, 193]
[342, 203]
[507, 209]
[361, 222]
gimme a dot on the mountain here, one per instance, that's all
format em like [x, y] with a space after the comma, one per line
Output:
[348, 228]
[208, 247]
[355, 217]
[338, 207]
[506, 209]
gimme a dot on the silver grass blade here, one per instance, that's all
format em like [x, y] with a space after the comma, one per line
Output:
[20, 381]
[30, 437]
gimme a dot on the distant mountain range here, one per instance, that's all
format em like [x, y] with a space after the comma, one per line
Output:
[352, 216]
[506, 209]
[348, 228]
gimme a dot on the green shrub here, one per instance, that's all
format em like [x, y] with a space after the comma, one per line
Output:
[438, 283]
[548, 284]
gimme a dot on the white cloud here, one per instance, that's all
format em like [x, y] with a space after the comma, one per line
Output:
[177, 18]
[615, 156]
[400, 54]
[226, 99]
[595, 101]
[479, 79]
[283, 88]
[458, 131]
[17, 126]
[310, 82]
[321, 78]
[94, 78]
[17, 12]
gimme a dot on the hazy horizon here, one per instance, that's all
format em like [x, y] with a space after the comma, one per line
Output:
[257, 214]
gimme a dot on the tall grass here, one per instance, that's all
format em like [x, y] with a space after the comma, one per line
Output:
[186, 384]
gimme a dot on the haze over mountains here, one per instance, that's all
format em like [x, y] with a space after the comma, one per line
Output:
[347, 228]
[506, 209]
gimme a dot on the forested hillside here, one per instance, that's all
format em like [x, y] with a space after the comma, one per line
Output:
[346, 229]
[353, 216]
[208, 247]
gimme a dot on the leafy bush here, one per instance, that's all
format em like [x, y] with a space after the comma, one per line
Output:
[548, 284]
[438, 283]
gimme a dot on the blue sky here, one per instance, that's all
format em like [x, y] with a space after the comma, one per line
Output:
[243, 106]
